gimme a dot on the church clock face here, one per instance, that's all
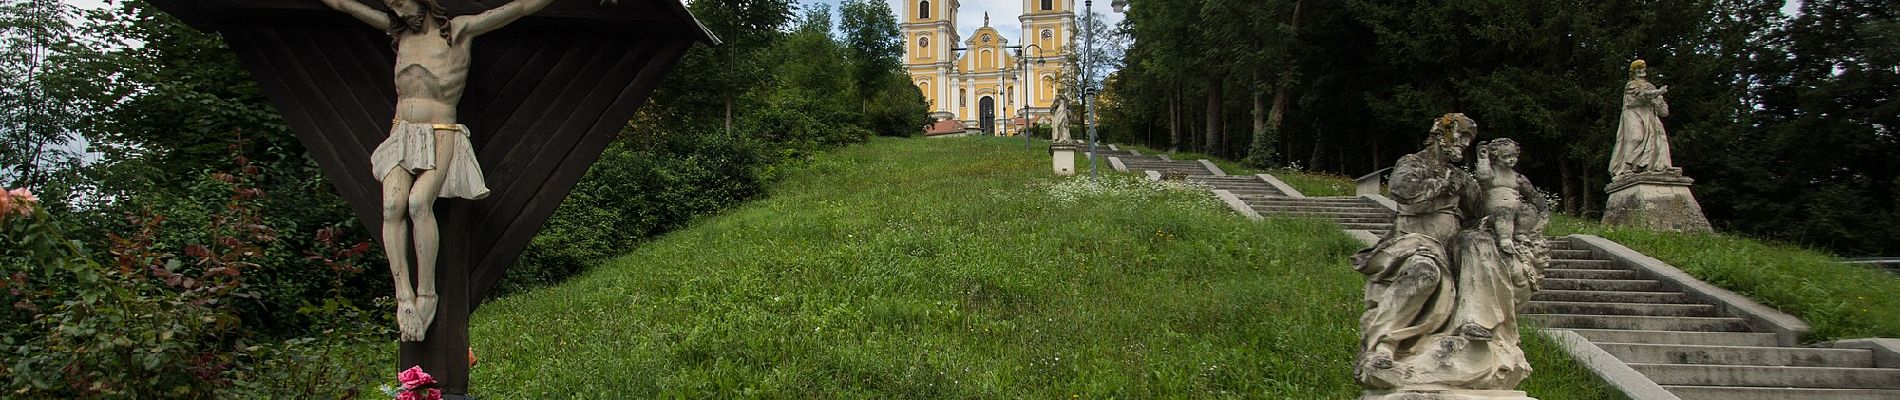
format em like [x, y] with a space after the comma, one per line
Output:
[923, 42]
[1046, 34]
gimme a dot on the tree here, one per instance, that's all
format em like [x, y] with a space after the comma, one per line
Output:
[35, 115]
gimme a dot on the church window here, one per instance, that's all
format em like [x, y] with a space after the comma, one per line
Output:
[1048, 5]
[923, 9]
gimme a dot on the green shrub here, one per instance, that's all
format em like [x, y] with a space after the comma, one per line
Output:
[160, 321]
[634, 192]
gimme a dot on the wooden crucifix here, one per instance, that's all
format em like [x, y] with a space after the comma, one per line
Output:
[504, 108]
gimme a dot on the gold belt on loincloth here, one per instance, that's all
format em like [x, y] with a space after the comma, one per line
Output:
[440, 127]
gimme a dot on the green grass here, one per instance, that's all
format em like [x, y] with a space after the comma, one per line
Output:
[1316, 184]
[1312, 184]
[955, 268]
[1838, 301]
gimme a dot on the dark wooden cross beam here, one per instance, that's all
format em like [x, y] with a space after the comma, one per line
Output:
[545, 96]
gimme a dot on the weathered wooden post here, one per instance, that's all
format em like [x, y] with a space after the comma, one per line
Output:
[543, 97]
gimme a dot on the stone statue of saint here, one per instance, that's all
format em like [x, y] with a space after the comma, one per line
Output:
[1642, 146]
[427, 154]
[1059, 131]
[1441, 293]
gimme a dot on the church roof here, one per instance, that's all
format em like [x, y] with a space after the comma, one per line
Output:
[947, 126]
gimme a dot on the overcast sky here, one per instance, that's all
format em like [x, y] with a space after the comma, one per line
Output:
[1003, 13]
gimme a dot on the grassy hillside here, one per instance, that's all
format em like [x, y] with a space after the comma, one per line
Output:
[954, 268]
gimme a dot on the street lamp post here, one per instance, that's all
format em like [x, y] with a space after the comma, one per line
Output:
[1088, 105]
[1088, 82]
[1023, 65]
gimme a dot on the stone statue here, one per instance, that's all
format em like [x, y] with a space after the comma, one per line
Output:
[1642, 146]
[1646, 190]
[1442, 290]
[427, 154]
[1060, 129]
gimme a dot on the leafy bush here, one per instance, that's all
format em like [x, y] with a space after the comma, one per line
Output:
[636, 191]
[154, 323]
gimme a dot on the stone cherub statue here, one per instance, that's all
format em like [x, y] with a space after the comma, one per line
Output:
[1642, 145]
[1441, 296]
[1513, 206]
[427, 154]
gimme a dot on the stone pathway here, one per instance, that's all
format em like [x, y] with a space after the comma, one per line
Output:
[1657, 337]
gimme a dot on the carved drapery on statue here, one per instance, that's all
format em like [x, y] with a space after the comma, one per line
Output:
[1642, 145]
[1441, 294]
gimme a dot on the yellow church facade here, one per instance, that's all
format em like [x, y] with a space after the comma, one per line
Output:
[980, 79]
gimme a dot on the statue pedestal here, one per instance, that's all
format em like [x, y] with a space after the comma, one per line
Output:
[1063, 154]
[1444, 395]
[1655, 201]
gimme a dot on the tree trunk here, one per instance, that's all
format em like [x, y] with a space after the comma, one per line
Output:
[1278, 114]
[1319, 150]
[1213, 138]
[1589, 201]
[1174, 120]
[1569, 187]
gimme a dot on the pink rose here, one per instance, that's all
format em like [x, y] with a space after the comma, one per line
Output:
[414, 378]
[407, 395]
[17, 201]
[435, 394]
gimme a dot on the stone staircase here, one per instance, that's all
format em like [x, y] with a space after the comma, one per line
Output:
[1246, 186]
[1351, 213]
[1692, 348]
[1162, 164]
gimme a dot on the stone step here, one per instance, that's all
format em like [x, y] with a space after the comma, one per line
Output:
[1574, 273]
[1166, 164]
[1232, 184]
[1600, 296]
[1366, 226]
[1318, 209]
[1328, 200]
[1601, 336]
[1637, 322]
[1765, 376]
[1560, 244]
[1571, 255]
[1739, 355]
[1239, 185]
[1761, 393]
[1612, 285]
[1387, 217]
[1584, 264]
[1595, 308]
[1232, 178]
[1247, 190]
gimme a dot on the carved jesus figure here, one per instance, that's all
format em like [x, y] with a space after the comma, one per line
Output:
[427, 154]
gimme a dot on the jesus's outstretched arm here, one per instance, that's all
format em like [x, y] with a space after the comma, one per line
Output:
[478, 24]
[375, 18]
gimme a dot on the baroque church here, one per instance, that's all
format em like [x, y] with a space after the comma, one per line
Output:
[982, 80]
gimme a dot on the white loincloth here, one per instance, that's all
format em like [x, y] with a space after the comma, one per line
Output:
[411, 146]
